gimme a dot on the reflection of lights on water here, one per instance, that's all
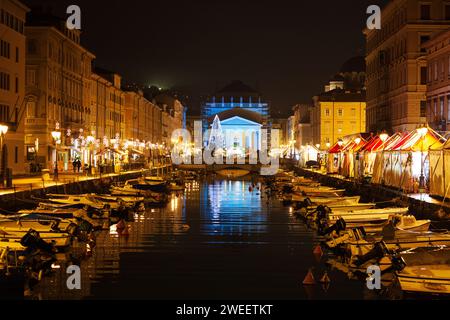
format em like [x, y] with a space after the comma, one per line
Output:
[56, 266]
[153, 211]
[173, 204]
[291, 210]
[139, 217]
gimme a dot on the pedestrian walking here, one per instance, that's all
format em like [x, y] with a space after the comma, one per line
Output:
[79, 165]
[74, 164]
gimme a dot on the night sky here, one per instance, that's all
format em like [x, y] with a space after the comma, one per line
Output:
[286, 49]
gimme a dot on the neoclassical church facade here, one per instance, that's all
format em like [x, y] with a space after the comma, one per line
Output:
[234, 118]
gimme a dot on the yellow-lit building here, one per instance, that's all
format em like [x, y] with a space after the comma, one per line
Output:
[397, 64]
[337, 114]
[12, 85]
[340, 110]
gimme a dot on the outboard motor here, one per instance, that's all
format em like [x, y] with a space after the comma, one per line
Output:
[398, 263]
[323, 213]
[33, 241]
[339, 226]
[73, 230]
[379, 251]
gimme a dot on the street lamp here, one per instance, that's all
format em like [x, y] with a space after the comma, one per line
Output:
[56, 135]
[3, 131]
[422, 132]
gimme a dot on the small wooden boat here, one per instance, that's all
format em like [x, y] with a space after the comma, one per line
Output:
[354, 216]
[58, 239]
[173, 187]
[150, 197]
[153, 183]
[77, 216]
[80, 200]
[319, 192]
[427, 271]
[317, 201]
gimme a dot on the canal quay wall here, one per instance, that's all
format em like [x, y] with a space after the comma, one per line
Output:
[422, 209]
[23, 199]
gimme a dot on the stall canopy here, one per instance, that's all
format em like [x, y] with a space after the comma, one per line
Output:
[440, 171]
[404, 162]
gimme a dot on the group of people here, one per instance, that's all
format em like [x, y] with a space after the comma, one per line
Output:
[77, 166]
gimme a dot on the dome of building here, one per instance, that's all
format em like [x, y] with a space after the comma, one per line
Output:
[355, 64]
[237, 88]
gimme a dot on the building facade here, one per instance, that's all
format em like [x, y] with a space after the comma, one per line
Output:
[302, 128]
[58, 80]
[240, 110]
[341, 109]
[397, 65]
[337, 114]
[12, 86]
[438, 80]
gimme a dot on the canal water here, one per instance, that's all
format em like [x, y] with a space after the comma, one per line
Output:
[216, 241]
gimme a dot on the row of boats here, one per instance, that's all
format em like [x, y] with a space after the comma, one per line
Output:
[32, 240]
[358, 235]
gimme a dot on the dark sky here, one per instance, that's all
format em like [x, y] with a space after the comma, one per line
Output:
[288, 49]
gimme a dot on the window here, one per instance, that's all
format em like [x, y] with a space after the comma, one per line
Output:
[435, 67]
[17, 85]
[340, 112]
[17, 55]
[425, 12]
[31, 77]
[4, 81]
[327, 112]
[353, 112]
[31, 46]
[447, 12]
[448, 108]
[441, 115]
[423, 109]
[4, 49]
[4, 113]
[423, 75]
[423, 39]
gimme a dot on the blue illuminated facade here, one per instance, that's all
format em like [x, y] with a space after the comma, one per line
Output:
[235, 95]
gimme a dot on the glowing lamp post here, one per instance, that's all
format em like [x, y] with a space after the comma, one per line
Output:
[56, 135]
[3, 131]
[423, 133]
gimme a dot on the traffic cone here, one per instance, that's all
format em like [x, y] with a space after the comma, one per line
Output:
[309, 279]
[325, 278]
[318, 251]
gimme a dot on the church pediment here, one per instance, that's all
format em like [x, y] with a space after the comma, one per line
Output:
[238, 121]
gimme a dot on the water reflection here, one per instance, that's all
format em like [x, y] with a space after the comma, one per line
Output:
[218, 240]
[229, 208]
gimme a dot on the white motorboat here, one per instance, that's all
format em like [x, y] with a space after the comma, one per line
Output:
[317, 201]
[319, 192]
[354, 216]
[88, 200]
[427, 271]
